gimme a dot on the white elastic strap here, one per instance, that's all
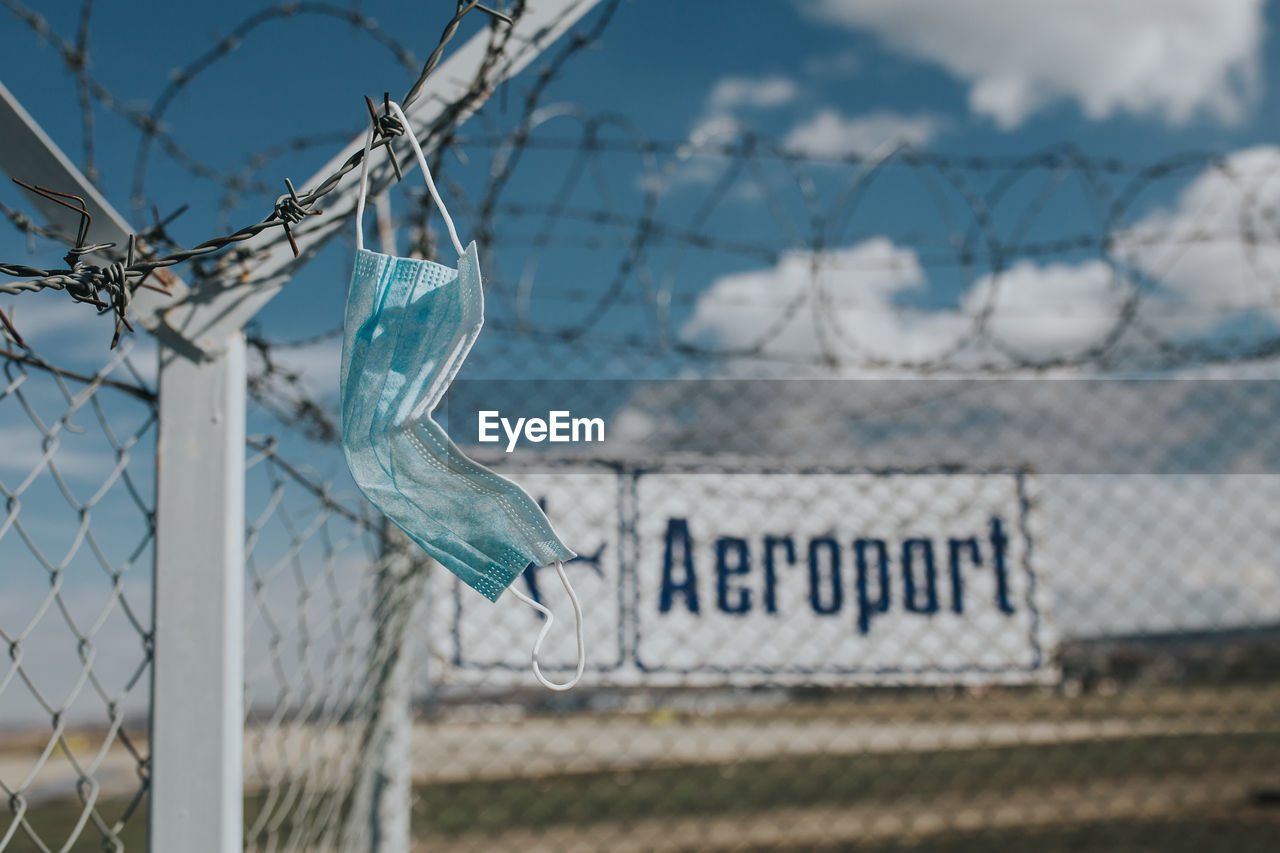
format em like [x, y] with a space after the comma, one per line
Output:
[426, 173]
[546, 626]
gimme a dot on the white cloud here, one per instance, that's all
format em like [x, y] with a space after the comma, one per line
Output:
[720, 122]
[1195, 272]
[814, 305]
[841, 305]
[1201, 272]
[732, 93]
[71, 455]
[1056, 310]
[826, 134]
[777, 308]
[829, 134]
[712, 126]
[76, 337]
[1196, 275]
[1166, 58]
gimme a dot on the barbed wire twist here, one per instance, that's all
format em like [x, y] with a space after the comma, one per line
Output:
[85, 281]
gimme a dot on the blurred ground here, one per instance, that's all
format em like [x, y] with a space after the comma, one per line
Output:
[1163, 768]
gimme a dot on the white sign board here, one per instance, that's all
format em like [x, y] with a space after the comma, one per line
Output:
[714, 576]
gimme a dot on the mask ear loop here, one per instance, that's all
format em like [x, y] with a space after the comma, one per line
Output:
[546, 626]
[364, 186]
[426, 173]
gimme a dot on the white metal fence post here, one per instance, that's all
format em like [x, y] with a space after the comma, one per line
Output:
[197, 714]
[389, 765]
[380, 813]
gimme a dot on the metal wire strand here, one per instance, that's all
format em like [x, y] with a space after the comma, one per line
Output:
[81, 280]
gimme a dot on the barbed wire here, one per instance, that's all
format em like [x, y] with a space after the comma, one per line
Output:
[275, 384]
[642, 239]
[677, 257]
[610, 315]
[611, 310]
[85, 281]
[987, 231]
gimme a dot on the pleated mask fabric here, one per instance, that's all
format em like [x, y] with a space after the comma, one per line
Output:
[408, 327]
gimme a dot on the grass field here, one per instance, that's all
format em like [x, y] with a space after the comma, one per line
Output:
[1198, 769]
[1202, 793]
[1240, 834]
[758, 786]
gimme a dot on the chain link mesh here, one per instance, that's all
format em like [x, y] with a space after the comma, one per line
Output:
[785, 344]
[1152, 723]
[76, 546]
[833, 343]
[308, 645]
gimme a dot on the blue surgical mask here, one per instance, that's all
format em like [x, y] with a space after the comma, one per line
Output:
[409, 325]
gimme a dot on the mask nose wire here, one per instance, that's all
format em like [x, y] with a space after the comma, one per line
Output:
[546, 626]
[426, 173]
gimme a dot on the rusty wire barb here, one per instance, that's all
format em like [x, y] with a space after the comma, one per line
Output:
[272, 383]
[84, 282]
[306, 542]
[324, 584]
[386, 127]
[290, 211]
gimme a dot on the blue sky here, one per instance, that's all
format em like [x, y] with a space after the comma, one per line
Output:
[1139, 81]
[822, 78]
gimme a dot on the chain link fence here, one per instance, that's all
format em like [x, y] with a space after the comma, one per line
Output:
[758, 679]
[76, 546]
[308, 642]
[933, 511]
[823, 380]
